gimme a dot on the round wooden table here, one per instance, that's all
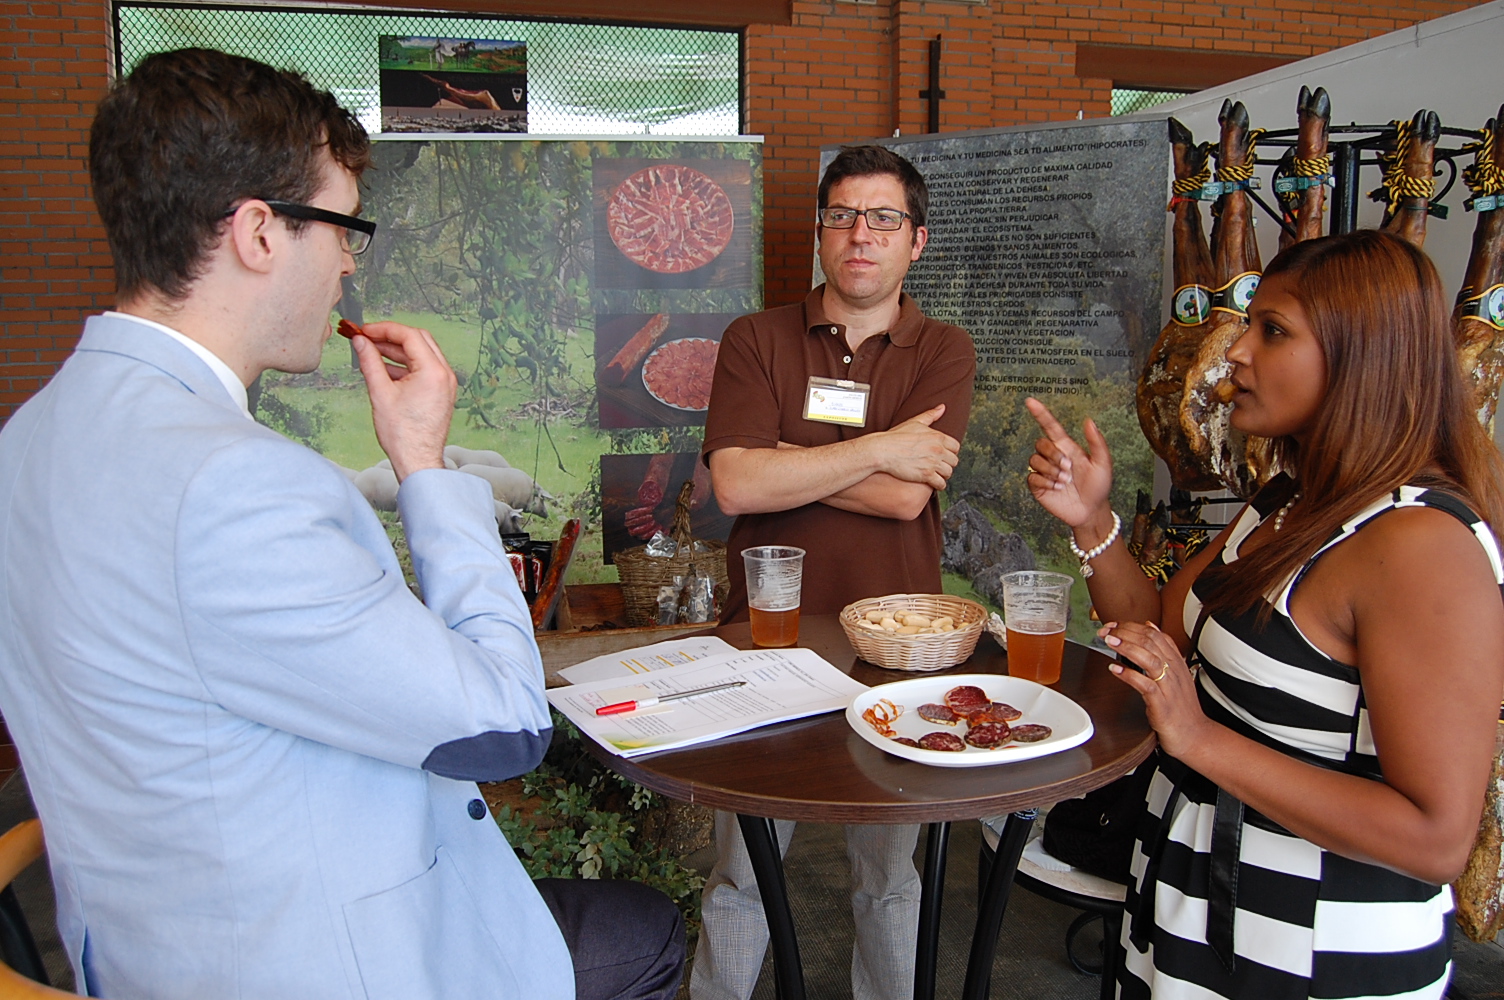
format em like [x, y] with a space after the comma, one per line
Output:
[819, 770]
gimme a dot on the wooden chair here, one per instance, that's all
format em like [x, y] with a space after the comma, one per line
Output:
[19, 847]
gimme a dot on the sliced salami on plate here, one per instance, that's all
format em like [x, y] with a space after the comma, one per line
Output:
[948, 742]
[938, 713]
[987, 735]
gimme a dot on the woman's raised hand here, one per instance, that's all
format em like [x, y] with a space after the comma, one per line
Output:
[1066, 479]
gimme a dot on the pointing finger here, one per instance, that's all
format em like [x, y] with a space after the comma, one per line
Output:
[1046, 420]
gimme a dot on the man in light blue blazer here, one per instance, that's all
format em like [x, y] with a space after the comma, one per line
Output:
[252, 749]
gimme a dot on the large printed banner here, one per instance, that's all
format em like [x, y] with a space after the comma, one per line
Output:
[579, 287]
[1047, 244]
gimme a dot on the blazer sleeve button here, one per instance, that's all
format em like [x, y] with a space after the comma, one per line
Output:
[477, 809]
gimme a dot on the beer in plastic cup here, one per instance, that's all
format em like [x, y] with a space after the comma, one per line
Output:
[774, 575]
[1035, 608]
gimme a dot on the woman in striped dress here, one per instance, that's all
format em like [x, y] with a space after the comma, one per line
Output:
[1322, 771]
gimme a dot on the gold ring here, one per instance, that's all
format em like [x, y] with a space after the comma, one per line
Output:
[1164, 669]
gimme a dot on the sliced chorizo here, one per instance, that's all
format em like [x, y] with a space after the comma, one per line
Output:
[987, 735]
[947, 742]
[938, 713]
[966, 699]
[995, 712]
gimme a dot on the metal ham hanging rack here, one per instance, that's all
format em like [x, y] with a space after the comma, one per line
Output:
[1349, 156]
[1346, 158]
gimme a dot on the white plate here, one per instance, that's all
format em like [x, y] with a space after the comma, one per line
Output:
[648, 361]
[1041, 705]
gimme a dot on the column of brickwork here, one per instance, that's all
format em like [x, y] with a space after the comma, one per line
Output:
[56, 266]
[965, 32]
[825, 78]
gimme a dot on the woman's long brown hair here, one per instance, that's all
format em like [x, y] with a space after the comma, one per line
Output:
[1396, 411]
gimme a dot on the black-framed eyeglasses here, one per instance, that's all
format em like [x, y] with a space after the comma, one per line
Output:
[882, 220]
[357, 233]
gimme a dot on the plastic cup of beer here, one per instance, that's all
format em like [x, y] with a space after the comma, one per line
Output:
[1035, 608]
[774, 576]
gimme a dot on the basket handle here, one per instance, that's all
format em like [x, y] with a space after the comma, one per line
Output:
[679, 531]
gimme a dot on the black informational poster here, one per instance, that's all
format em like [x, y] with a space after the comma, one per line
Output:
[1047, 244]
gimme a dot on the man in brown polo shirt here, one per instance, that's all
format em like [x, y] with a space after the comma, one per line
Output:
[788, 459]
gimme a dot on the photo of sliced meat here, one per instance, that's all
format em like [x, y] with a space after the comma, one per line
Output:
[642, 524]
[679, 373]
[907, 742]
[639, 495]
[988, 735]
[948, 742]
[938, 713]
[632, 354]
[966, 699]
[655, 481]
[670, 218]
[1031, 733]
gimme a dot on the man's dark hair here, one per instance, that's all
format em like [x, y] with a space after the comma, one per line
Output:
[190, 134]
[866, 161]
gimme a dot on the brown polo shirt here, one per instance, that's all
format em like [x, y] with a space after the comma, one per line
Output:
[757, 400]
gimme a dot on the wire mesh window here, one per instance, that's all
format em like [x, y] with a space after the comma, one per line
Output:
[582, 78]
[1126, 101]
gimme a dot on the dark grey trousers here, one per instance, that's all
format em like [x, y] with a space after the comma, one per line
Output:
[627, 940]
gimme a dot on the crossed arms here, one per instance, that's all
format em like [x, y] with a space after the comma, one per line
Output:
[890, 473]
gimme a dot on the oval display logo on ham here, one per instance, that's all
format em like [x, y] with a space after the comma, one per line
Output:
[670, 219]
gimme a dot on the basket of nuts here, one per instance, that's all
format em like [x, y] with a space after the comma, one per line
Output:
[915, 632]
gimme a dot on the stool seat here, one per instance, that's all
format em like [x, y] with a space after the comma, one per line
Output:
[1049, 877]
[1041, 866]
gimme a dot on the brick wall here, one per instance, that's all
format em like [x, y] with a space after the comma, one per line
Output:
[54, 265]
[1003, 63]
[837, 72]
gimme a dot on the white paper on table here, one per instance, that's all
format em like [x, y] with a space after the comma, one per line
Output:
[782, 684]
[629, 662]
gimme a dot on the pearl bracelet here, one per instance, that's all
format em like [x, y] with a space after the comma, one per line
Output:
[1087, 555]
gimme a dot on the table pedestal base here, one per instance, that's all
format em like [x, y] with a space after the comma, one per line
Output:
[926, 954]
[994, 903]
[761, 837]
[788, 974]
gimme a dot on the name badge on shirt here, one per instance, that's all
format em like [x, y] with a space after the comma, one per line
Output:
[837, 401]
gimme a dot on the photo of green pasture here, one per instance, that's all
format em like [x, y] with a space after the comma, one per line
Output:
[488, 246]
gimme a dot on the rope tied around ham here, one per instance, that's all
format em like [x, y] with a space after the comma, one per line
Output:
[1316, 166]
[1185, 189]
[1398, 185]
[1242, 173]
[1486, 175]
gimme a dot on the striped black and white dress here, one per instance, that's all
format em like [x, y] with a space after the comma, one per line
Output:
[1216, 884]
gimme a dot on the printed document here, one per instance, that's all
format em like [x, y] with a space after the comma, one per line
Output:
[645, 658]
[781, 684]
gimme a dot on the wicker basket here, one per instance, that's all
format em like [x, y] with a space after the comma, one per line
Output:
[641, 574]
[918, 653]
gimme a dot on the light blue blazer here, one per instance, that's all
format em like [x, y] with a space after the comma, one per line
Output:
[252, 749]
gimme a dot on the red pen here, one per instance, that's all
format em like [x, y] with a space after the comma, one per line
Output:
[649, 702]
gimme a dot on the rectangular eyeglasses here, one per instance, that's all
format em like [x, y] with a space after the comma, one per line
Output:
[357, 233]
[882, 220]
